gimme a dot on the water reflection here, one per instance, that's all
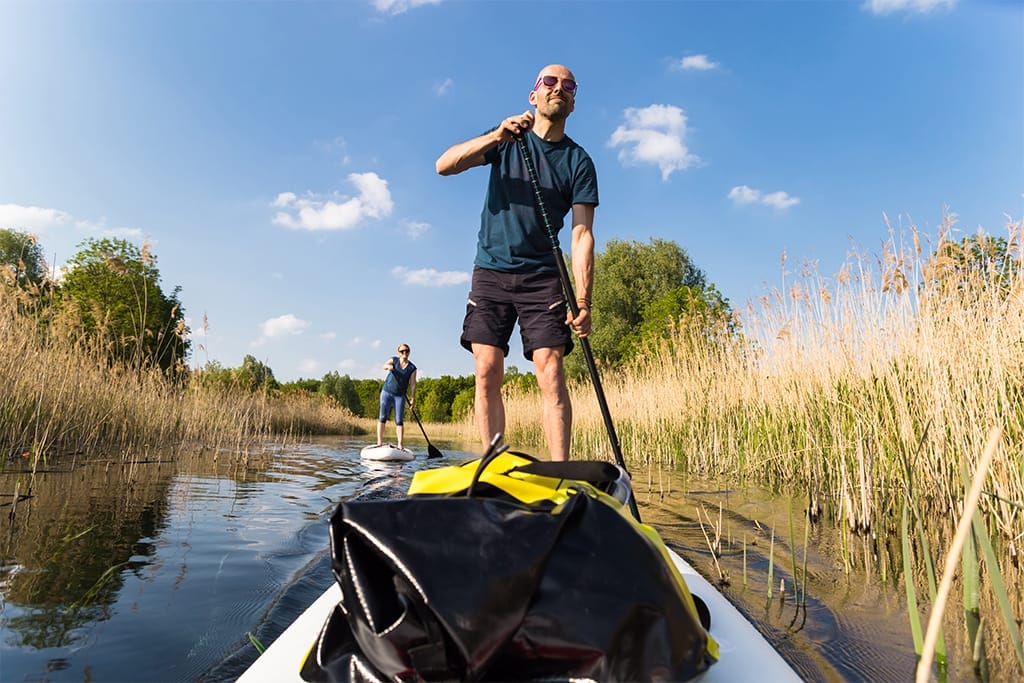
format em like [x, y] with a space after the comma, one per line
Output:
[848, 620]
[159, 571]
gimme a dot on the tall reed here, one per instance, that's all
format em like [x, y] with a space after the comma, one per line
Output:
[840, 389]
[61, 395]
[831, 384]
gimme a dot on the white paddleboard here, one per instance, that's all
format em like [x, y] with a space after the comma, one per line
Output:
[387, 451]
[745, 654]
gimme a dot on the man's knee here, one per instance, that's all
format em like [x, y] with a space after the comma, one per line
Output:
[548, 364]
[489, 362]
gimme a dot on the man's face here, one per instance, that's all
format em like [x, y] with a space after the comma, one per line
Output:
[554, 94]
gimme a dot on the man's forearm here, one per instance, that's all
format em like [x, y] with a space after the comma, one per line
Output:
[466, 155]
[583, 252]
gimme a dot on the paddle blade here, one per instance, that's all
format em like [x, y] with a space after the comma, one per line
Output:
[433, 452]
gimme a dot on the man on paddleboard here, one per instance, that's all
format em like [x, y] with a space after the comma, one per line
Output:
[399, 383]
[515, 275]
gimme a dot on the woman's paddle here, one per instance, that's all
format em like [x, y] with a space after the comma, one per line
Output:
[574, 307]
[431, 451]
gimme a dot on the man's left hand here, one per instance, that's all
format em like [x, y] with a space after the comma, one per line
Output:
[581, 323]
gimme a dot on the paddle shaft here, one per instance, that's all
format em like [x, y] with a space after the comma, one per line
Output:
[431, 451]
[570, 296]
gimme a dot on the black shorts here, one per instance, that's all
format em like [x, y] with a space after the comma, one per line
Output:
[497, 300]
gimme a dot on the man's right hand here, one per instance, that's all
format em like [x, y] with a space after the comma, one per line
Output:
[514, 126]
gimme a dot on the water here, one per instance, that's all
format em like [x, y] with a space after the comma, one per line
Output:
[163, 579]
[163, 575]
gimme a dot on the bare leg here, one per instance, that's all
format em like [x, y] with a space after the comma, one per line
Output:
[490, 411]
[380, 433]
[400, 430]
[557, 407]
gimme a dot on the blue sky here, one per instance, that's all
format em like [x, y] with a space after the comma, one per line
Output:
[279, 157]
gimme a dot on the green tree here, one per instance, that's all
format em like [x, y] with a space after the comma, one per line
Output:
[255, 375]
[309, 386]
[683, 314]
[435, 397]
[213, 374]
[629, 277]
[21, 258]
[977, 263]
[343, 390]
[115, 288]
[519, 381]
[368, 391]
[463, 403]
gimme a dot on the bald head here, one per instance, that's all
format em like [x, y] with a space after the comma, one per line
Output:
[559, 70]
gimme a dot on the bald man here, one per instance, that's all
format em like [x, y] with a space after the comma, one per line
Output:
[515, 275]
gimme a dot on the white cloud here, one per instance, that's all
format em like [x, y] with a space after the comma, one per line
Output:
[329, 336]
[286, 324]
[19, 217]
[415, 228]
[285, 199]
[428, 277]
[193, 330]
[399, 6]
[741, 194]
[695, 63]
[101, 229]
[883, 7]
[443, 87]
[309, 212]
[360, 341]
[654, 135]
[347, 364]
[309, 366]
[779, 200]
[37, 219]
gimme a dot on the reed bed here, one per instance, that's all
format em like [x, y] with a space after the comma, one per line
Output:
[836, 386]
[61, 397]
[860, 392]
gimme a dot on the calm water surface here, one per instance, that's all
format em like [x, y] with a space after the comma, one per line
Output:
[162, 576]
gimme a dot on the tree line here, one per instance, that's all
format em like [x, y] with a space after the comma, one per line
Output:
[644, 295]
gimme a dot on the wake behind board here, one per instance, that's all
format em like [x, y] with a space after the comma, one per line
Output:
[388, 452]
[745, 654]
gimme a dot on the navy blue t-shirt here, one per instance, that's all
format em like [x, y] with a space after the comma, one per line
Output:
[512, 236]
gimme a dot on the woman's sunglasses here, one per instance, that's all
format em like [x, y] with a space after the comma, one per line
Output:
[403, 350]
[568, 85]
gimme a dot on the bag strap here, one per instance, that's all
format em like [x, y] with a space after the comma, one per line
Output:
[592, 471]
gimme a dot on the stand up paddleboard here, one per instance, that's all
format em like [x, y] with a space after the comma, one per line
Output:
[745, 654]
[387, 451]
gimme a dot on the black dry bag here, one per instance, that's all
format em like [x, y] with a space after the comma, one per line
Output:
[530, 577]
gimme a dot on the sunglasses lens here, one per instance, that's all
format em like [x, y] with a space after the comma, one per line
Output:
[568, 85]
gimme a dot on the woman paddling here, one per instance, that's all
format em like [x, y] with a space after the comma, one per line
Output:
[399, 383]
